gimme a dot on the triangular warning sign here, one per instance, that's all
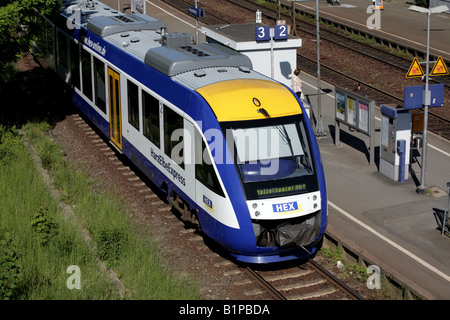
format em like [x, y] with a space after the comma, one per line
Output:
[439, 69]
[415, 70]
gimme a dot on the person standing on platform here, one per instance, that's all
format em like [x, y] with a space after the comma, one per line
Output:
[358, 89]
[296, 83]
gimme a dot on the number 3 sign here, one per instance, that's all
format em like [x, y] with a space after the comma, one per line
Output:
[262, 33]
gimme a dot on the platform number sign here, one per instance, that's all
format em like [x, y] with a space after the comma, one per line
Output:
[196, 12]
[263, 33]
[281, 32]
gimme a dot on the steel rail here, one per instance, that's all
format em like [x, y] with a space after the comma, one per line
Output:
[335, 281]
[266, 286]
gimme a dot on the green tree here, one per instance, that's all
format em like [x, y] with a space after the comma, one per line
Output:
[423, 3]
[18, 26]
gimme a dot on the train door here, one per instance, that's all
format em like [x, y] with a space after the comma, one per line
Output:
[62, 57]
[209, 192]
[189, 160]
[115, 122]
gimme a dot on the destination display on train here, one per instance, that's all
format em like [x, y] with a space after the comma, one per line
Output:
[279, 190]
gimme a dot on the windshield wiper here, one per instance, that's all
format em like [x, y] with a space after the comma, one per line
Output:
[264, 112]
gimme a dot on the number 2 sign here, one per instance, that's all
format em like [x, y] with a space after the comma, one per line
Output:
[280, 32]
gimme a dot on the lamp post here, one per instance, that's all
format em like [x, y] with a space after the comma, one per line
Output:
[319, 128]
[196, 24]
[426, 94]
[294, 27]
[278, 9]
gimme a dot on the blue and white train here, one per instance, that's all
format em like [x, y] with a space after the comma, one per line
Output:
[229, 146]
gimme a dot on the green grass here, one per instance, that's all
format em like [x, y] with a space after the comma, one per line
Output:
[41, 242]
[42, 267]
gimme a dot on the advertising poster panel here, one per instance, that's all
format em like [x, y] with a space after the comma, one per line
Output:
[357, 112]
[340, 106]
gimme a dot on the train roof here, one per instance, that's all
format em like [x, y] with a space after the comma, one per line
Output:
[245, 99]
[173, 54]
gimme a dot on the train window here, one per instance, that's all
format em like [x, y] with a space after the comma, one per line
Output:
[133, 104]
[62, 50]
[204, 170]
[99, 84]
[50, 35]
[75, 64]
[273, 156]
[150, 112]
[173, 132]
[49, 38]
[86, 73]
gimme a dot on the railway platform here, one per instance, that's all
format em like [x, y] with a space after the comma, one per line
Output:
[385, 220]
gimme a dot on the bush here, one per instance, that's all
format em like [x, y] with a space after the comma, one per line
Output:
[43, 226]
[9, 144]
[422, 3]
[111, 245]
[9, 266]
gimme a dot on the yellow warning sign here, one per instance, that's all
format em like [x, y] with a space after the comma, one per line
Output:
[439, 69]
[415, 70]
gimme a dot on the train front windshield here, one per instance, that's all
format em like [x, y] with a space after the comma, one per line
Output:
[273, 156]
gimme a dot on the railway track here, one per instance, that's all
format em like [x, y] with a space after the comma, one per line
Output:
[305, 282]
[308, 281]
[439, 122]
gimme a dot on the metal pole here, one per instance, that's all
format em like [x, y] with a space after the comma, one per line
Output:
[426, 102]
[444, 219]
[319, 128]
[279, 10]
[196, 24]
[272, 33]
[294, 32]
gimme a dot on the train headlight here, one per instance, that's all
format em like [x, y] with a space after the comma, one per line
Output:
[315, 205]
[314, 197]
[257, 213]
[255, 205]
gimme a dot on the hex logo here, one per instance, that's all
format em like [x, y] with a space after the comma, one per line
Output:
[285, 207]
[208, 202]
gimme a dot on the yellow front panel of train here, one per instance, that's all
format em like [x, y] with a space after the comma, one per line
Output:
[242, 99]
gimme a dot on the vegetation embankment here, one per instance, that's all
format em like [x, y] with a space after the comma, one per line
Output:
[46, 253]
